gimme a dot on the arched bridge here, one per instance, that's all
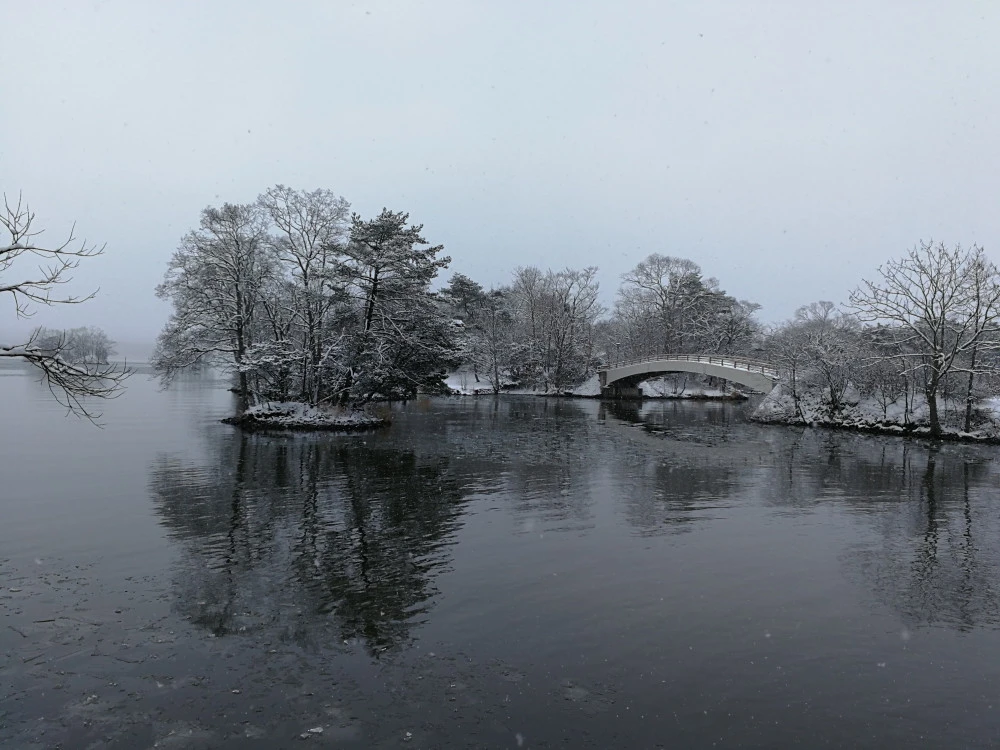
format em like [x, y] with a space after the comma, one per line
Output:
[621, 379]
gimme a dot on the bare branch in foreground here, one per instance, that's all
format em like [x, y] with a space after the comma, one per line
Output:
[74, 384]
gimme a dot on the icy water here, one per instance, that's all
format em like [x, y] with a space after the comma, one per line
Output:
[521, 573]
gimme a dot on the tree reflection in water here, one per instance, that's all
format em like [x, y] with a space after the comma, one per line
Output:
[322, 539]
[944, 566]
[928, 511]
[931, 508]
[309, 539]
[691, 466]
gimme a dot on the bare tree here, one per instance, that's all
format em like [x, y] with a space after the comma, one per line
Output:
[882, 378]
[939, 307]
[574, 310]
[665, 305]
[492, 346]
[666, 292]
[311, 229]
[527, 295]
[831, 342]
[787, 346]
[215, 280]
[553, 317]
[74, 385]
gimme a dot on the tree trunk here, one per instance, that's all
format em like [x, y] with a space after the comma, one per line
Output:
[241, 347]
[932, 407]
[244, 392]
[306, 347]
[496, 370]
[907, 402]
[968, 392]
[348, 382]
[796, 398]
[370, 307]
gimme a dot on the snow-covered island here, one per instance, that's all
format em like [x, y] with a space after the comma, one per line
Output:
[296, 416]
[908, 417]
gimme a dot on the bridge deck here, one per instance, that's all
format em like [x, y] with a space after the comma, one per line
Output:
[736, 363]
[621, 378]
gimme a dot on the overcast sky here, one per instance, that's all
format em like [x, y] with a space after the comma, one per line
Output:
[786, 147]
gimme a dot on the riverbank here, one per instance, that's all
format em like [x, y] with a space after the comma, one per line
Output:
[293, 416]
[867, 416]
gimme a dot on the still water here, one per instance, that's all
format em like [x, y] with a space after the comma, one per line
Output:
[513, 573]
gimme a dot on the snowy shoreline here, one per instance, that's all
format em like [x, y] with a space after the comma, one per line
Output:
[736, 396]
[886, 429]
[658, 389]
[866, 416]
[292, 416]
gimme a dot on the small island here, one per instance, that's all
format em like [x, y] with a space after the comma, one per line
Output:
[299, 417]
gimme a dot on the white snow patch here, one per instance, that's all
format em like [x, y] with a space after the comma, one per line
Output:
[868, 414]
[291, 414]
[463, 382]
[589, 387]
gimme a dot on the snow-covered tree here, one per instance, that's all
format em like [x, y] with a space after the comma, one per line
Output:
[832, 346]
[401, 340]
[938, 309]
[527, 299]
[215, 281]
[554, 313]
[463, 295]
[665, 305]
[573, 310]
[32, 273]
[662, 295]
[492, 347]
[882, 378]
[280, 293]
[819, 348]
[308, 230]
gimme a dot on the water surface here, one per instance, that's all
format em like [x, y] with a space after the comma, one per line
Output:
[519, 572]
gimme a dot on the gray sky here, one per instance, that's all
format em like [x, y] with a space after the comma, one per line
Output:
[786, 147]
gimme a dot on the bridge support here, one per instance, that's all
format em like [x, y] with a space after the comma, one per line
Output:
[618, 391]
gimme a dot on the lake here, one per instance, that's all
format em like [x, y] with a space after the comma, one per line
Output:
[511, 573]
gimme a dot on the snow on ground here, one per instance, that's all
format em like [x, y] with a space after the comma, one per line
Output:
[589, 387]
[670, 388]
[993, 405]
[463, 382]
[295, 415]
[868, 414]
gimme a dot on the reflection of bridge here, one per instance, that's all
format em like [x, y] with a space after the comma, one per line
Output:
[621, 378]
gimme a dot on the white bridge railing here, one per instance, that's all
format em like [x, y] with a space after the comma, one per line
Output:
[737, 363]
